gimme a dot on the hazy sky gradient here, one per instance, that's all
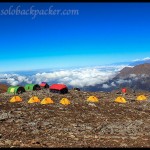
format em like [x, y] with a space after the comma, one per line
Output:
[102, 33]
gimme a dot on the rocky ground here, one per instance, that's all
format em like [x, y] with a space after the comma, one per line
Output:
[80, 124]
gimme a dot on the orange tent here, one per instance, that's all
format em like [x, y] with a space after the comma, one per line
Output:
[34, 99]
[15, 99]
[47, 100]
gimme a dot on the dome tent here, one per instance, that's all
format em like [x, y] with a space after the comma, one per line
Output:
[44, 85]
[120, 100]
[76, 89]
[58, 88]
[92, 99]
[141, 98]
[32, 87]
[15, 99]
[47, 100]
[16, 89]
[34, 99]
[64, 101]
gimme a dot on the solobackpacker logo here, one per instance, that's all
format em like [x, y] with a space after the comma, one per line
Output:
[34, 12]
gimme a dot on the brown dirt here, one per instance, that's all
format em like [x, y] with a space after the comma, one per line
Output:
[80, 124]
[3, 88]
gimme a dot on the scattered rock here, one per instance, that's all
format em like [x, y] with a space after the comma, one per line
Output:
[88, 128]
[8, 142]
[45, 123]
[16, 143]
[124, 145]
[81, 124]
[92, 104]
[35, 141]
[4, 116]
[72, 136]
[2, 144]
[36, 131]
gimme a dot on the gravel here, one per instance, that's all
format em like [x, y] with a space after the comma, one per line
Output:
[80, 124]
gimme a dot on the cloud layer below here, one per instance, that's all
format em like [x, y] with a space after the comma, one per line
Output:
[80, 77]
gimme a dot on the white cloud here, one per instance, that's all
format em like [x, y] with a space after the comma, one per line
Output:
[80, 77]
[14, 79]
[132, 75]
[105, 86]
[120, 81]
[146, 58]
[136, 60]
[113, 84]
[144, 75]
[135, 77]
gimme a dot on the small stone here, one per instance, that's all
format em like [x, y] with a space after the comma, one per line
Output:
[76, 139]
[35, 141]
[96, 137]
[123, 145]
[16, 143]
[36, 131]
[8, 142]
[45, 123]
[92, 104]
[2, 144]
[72, 136]
[24, 145]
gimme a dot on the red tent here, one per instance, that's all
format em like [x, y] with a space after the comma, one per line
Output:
[58, 86]
[61, 88]
[44, 85]
[124, 90]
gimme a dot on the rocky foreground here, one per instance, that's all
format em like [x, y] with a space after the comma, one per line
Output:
[80, 124]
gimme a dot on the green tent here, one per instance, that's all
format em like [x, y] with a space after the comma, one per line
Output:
[32, 87]
[15, 89]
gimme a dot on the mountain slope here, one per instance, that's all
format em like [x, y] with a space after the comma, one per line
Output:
[137, 70]
[137, 78]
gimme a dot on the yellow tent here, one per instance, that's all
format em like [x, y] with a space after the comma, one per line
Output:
[120, 100]
[92, 99]
[64, 101]
[141, 98]
[47, 100]
[15, 99]
[34, 99]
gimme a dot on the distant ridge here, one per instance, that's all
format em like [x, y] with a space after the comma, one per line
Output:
[139, 62]
[137, 70]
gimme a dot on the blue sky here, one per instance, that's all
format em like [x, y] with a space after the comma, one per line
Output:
[101, 33]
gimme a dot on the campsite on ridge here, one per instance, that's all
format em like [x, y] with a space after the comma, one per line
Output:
[40, 118]
[86, 79]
